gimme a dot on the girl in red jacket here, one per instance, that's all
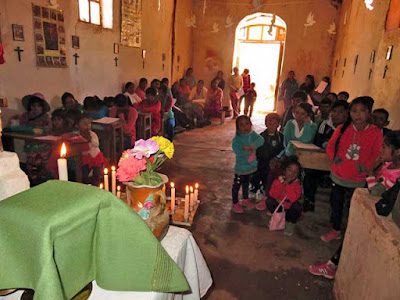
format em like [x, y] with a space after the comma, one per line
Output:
[287, 187]
[352, 149]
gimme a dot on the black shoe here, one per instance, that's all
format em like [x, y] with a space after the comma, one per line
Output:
[308, 206]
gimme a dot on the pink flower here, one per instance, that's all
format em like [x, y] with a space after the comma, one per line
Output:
[149, 205]
[144, 148]
[129, 167]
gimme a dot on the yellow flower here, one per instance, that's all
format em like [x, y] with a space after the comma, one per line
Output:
[166, 146]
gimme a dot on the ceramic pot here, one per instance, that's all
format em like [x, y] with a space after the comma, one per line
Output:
[149, 202]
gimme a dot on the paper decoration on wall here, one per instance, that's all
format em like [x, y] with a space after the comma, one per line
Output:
[49, 37]
[257, 5]
[204, 6]
[228, 22]
[191, 22]
[368, 4]
[215, 28]
[310, 20]
[131, 23]
[332, 29]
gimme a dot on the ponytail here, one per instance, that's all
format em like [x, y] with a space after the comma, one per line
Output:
[346, 124]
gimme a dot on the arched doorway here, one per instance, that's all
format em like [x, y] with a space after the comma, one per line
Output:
[259, 46]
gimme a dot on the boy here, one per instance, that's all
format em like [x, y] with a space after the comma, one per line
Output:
[380, 118]
[249, 99]
[153, 106]
[325, 109]
[312, 177]
[272, 147]
[297, 98]
[343, 96]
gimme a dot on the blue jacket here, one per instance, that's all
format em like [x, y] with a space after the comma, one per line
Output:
[243, 166]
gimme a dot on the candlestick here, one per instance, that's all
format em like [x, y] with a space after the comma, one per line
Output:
[172, 197]
[106, 186]
[119, 192]
[113, 180]
[191, 198]
[186, 212]
[196, 193]
[62, 164]
[101, 186]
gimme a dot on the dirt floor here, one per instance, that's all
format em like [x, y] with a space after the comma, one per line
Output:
[246, 260]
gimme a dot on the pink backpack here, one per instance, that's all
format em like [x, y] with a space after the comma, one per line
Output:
[277, 221]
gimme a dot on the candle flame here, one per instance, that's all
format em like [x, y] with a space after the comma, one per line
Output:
[191, 189]
[187, 189]
[118, 188]
[101, 186]
[105, 171]
[196, 185]
[172, 184]
[63, 151]
[112, 168]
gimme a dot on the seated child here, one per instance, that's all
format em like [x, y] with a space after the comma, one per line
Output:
[92, 157]
[272, 147]
[249, 99]
[59, 124]
[287, 188]
[69, 102]
[298, 97]
[141, 89]
[380, 118]
[244, 145]
[153, 106]
[324, 110]
[95, 108]
[213, 103]
[300, 129]
[130, 92]
[127, 113]
[166, 105]
[72, 117]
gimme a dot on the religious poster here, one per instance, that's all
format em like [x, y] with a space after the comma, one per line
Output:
[49, 36]
[131, 23]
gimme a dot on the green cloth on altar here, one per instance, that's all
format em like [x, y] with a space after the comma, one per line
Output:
[57, 237]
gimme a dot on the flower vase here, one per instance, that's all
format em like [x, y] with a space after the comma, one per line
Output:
[149, 202]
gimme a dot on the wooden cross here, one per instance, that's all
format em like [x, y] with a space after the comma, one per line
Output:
[116, 61]
[76, 56]
[370, 74]
[143, 63]
[355, 64]
[19, 50]
[384, 71]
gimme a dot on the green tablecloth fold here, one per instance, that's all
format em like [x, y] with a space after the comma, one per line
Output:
[57, 237]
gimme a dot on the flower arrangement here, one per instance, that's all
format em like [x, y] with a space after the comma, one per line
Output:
[139, 165]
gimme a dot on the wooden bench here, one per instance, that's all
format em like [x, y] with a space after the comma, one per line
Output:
[143, 126]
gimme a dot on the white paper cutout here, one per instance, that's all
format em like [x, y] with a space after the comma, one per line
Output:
[191, 22]
[159, 5]
[204, 7]
[310, 20]
[228, 21]
[257, 5]
[368, 4]
[332, 28]
[215, 28]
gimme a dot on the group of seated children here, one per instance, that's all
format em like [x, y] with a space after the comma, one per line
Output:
[352, 134]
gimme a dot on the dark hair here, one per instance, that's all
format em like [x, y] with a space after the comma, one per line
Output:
[238, 120]
[333, 94]
[328, 80]
[108, 101]
[300, 94]
[163, 89]
[164, 80]
[182, 80]
[155, 80]
[58, 113]
[143, 80]
[345, 94]
[311, 77]
[291, 71]
[65, 96]
[35, 99]
[121, 100]
[306, 107]
[367, 101]
[382, 111]
[291, 160]
[151, 91]
[214, 80]
[83, 116]
[392, 139]
[91, 103]
[339, 103]
[128, 85]
[220, 72]
[273, 116]
[189, 69]
[201, 81]
[326, 101]
[73, 114]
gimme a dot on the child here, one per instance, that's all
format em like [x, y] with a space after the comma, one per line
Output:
[69, 102]
[343, 96]
[272, 147]
[385, 170]
[324, 109]
[333, 97]
[380, 118]
[130, 92]
[92, 157]
[129, 115]
[214, 99]
[95, 108]
[59, 122]
[312, 177]
[72, 117]
[300, 129]
[244, 144]
[141, 89]
[249, 99]
[166, 105]
[287, 188]
[153, 106]
[352, 149]
[298, 97]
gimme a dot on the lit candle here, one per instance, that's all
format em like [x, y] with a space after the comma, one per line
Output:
[196, 193]
[106, 186]
[191, 198]
[113, 180]
[62, 164]
[101, 186]
[119, 192]
[186, 212]
[172, 197]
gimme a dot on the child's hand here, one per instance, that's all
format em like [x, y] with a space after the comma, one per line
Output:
[375, 166]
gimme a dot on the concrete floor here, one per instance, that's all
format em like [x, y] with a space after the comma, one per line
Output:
[246, 260]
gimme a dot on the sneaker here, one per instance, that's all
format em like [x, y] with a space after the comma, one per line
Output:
[262, 204]
[327, 270]
[237, 208]
[331, 235]
[247, 203]
[289, 229]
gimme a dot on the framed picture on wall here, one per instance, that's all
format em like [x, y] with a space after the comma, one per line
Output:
[18, 32]
[75, 42]
[116, 48]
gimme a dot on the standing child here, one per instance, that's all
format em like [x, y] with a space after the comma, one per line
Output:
[298, 97]
[153, 106]
[352, 149]
[380, 118]
[92, 157]
[324, 111]
[249, 99]
[287, 188]
[244, 144]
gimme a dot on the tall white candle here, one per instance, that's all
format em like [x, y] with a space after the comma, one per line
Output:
[172, 197]
[119, 192]
[191, 198]
[186, 212]
[62, 164]
[106, 185]
[196, 193]
[113, 181]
